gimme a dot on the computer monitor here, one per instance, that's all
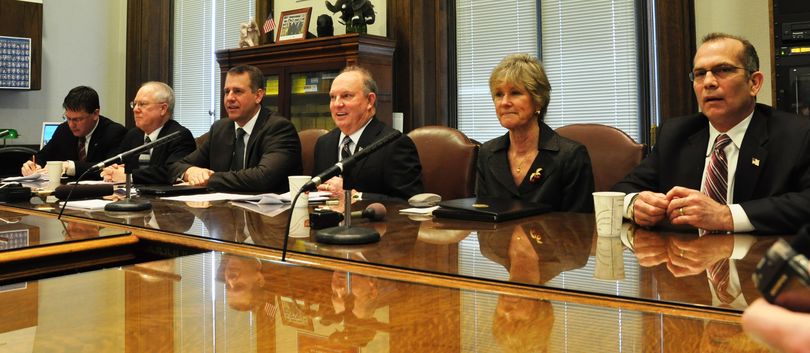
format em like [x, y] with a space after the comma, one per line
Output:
[48, 128]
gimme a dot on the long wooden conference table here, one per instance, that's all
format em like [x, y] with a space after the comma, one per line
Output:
[196, 277]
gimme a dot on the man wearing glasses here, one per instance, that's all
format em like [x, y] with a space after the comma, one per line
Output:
[737, 166]
[152, 108]
[84, 139]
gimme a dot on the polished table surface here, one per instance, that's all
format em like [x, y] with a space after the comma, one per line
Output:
[25, 231]
[226, 303]
[556, 251]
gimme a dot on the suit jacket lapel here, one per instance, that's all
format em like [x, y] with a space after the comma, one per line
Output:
[694, 151]
[752, 158]
[161, 150]
[498, 164]
[258, 128]
[370, 134]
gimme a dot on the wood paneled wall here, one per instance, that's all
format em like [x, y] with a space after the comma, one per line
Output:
[676, 48]
[421, 71]
[150, 40]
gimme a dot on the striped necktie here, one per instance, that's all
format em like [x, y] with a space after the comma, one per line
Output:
[82, 149]
[345, 151]
[716, 184]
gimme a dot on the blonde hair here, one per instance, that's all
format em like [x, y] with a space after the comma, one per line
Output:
[527, 72]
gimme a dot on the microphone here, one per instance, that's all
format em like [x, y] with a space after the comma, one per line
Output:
[4, 133]
[137, 150]
[374, 212]
[337, 169]
[325, 218]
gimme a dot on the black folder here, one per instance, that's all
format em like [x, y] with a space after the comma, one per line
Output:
[171, 190]
[488, 209]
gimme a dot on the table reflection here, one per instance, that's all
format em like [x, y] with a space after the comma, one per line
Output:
[256, 305]
[716, 268]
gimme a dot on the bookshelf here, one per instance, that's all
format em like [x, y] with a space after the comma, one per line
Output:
[299, 74]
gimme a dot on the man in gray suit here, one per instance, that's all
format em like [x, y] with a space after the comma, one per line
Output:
[253, 151]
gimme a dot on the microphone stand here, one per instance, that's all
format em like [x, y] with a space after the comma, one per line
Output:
[289, 223]
[346, 234]
[128, 204]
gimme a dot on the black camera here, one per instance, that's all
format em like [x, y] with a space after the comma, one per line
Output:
[782, 275]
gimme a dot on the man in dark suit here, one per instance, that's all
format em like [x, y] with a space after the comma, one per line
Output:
[393, 171]
[84, 139]
[252, 151]
[153, 107]
[766, 163]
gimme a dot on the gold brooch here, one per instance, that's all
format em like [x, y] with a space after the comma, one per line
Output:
[535, 177]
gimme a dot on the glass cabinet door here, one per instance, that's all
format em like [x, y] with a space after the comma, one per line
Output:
[309, 100]
[270, 100]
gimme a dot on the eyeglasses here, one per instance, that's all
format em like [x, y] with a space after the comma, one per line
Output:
[719, 72]
[141, 105]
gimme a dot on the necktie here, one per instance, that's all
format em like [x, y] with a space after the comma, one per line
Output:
[345, 151]
[719, 278]
[143, 158]
[82, 149]
[238, 160]
[716, 184]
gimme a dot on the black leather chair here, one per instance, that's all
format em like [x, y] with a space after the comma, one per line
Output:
[12, 158]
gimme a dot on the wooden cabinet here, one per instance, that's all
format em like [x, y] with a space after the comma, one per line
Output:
[299, 74]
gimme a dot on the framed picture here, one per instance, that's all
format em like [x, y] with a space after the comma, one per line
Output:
[293, 24]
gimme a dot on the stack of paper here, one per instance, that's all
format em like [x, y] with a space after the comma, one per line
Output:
[86, 205]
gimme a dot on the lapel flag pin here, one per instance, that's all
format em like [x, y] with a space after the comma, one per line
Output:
[755, 161]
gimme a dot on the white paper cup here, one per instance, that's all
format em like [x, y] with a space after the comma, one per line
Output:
[55, 170]
[607, 207]
[299, 224]
[296, 182]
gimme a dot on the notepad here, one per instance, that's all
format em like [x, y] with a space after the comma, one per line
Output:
[489, 210]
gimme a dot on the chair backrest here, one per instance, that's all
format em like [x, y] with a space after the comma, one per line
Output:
[308, 138]
[448, 160]
[613, 153]
[13, 158]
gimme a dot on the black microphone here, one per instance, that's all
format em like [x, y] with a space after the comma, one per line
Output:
[374, 212]
[4, 133]
[337, 169]
[137, 150]
[325, 218]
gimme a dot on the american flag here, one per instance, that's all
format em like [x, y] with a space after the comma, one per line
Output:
[269, 23]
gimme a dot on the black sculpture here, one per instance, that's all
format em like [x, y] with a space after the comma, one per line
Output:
[325, 28]
[355, 14]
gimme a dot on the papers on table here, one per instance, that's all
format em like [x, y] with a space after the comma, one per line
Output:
[261, 199]
[426, 211]
[267, 210]
[29, 178]
[216, 196]
[86, 205]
